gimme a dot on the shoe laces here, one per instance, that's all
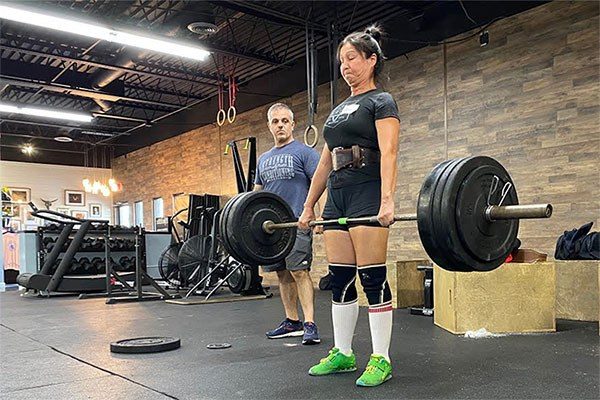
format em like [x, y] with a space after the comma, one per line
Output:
[371, 368]
[374, 365]
[330, 356]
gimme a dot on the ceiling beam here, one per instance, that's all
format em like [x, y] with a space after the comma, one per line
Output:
[269, 14]
[110, 66]
[101, 128]
[79, 91]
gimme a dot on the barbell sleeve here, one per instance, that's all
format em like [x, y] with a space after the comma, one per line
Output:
[526, 211]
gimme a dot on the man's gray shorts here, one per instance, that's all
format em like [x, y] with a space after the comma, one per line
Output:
[299, 258]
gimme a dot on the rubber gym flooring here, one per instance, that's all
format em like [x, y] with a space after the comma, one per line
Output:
[59, 349]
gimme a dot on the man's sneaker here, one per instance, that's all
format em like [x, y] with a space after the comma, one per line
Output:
[334, 363]
[311, 335]
[287, 328]
[378, 371]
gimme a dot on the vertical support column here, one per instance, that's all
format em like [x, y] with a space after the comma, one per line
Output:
[138, 272]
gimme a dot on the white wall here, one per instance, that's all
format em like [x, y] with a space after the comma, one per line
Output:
[50, 182]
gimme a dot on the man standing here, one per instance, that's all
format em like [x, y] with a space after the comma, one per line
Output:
[287, 170]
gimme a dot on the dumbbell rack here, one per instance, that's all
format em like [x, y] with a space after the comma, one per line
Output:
[90, 259]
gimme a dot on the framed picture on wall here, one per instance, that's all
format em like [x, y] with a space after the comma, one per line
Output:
[95, 210]
[74, 198]
[20, 195]
[26, 214]
[15, 224]
[63, 210]
[81, 214]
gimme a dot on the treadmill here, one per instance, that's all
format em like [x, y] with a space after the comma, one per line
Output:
[46, 283]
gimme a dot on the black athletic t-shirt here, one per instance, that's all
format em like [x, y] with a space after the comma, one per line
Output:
[353, 122]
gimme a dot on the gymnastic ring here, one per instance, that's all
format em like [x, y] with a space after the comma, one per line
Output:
[221, 116]
[231, 114]
[306, 131]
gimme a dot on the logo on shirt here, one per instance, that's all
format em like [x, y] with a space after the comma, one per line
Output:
[341, 114]
[279, 166]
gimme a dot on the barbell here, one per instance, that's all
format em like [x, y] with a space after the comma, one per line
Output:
[467, 216]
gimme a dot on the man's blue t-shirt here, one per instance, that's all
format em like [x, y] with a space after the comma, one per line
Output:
[287, 172]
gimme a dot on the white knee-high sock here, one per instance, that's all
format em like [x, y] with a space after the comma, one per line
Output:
[344, 318]
[380, 322]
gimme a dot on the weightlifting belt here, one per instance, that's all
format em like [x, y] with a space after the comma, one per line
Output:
[353, 157]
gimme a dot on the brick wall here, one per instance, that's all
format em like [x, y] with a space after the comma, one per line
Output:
[530, 99]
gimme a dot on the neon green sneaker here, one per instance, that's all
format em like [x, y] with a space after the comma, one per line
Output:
[378, 371]
[334, 363]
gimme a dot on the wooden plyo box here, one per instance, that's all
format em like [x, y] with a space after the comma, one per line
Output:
[406, 284]
[577, 290]
[514, 298]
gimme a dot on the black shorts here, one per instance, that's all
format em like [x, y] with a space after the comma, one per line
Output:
[299, 258]
[361, 200]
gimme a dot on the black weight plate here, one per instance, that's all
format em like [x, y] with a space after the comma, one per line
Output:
[218, 346]
[223, 225]
[440, 224]
[231, 226]
[255, 246]
[241, 279]
[425, 207]
[251, 242]
[145, 345]
[475, 241]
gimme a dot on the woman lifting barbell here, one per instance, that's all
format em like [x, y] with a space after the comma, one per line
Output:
[358, 168]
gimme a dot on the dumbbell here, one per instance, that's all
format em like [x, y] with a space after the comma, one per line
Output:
[98, 265]
[85, 244]
[115, 265]
[86, 266]
[97, 244]
[47, 240]
[129, 244]
[52, 227]
[127, 263]
[76, 267]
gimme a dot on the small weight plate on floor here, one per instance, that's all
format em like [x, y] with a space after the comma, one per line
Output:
[145, 345]
[218, 346]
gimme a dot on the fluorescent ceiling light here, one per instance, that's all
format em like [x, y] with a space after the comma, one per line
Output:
[101, 32]
[39, 112]
[96, 133]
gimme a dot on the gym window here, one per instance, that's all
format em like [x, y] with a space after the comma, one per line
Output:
[125, 215]
[139, 214]
[157, 210]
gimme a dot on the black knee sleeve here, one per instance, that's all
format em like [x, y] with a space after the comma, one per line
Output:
[343, 289]
[374, 281]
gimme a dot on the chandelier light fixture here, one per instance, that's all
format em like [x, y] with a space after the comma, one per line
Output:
[94, 185]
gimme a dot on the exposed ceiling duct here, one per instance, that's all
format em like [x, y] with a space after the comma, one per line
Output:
[205, 22]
